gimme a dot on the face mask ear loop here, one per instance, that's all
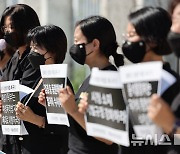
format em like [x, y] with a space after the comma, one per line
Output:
[48, 57]
[89, 53]
[45, 53]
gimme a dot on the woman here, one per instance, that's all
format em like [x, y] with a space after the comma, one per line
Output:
[159, 109]
[147, 32]
[94, 42]
[48, 46]
[15, 23]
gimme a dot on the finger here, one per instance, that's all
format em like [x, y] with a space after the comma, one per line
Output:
[85, 98]
[43, 91]
[69, 90]
[40, 100]
[18, 115]
[62, 91]
[154, 99]
[81, 109]
[19, 109]
[155, 96]
[18, 112]
[21, 105]
[83, 105]
[42, 94]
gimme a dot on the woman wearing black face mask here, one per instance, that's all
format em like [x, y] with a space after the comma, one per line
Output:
[147, 32]
[167, 117]
[48, 46]
[15, 23]
[91, 47]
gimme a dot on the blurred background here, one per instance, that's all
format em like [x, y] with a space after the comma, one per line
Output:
[65, 13]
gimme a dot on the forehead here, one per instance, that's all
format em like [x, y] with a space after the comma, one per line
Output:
[131, 33]
[78, 35]
[7, 20]
[176, 11]
[130, 28]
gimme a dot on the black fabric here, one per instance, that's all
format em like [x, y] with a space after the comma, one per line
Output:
[21, 69]
[18, 69]
[79, 141]
[169, 96]
[176, 110]
[52, 139]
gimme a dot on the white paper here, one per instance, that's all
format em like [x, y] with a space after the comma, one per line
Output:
[24, 90]
[139, 80]
[12, 92]
[167, 79]
[1, 152]
[51, 74]
[148, 71]
[106, 80]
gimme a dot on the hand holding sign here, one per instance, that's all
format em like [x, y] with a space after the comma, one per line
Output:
[0, 110]
[159, 110]
[0, 106]
[83, 104]
[24, 112]
[67, 100]
[42, 97]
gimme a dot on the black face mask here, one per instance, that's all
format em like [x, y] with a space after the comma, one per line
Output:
[36, 59]
[174, 42]
[78, 53]
[14, 39]
[134, 51]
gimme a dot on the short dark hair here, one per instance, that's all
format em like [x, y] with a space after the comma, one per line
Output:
[52, 38]
[153, 24]
[97, 27]
[23, 17]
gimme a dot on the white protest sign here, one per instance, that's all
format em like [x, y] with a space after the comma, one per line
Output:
[107, 116]
[140, 81]
[54, 78]
[11, 93]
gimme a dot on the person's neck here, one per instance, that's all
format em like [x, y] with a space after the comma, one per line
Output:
[151, 56]
[21, 50]
[49, 61]
[4, 61]
[100, 62]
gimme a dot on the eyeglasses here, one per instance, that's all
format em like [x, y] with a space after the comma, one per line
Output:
[8, 28]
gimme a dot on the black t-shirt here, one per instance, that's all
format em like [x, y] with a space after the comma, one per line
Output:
[79, 141]
[169, 95]
[51, 139]
[19, 69]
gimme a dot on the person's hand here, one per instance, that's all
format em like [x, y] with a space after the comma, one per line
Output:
[42, 97]
[0, 109]
[24, 112]
[160, 112]
[0, 106]
[67, 100]
[83, 105]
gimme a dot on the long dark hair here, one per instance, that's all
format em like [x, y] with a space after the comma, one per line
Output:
[23, 17]
[97, 27]
[153, 24]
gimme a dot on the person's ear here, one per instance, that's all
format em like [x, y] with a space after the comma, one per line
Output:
[96, 44]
